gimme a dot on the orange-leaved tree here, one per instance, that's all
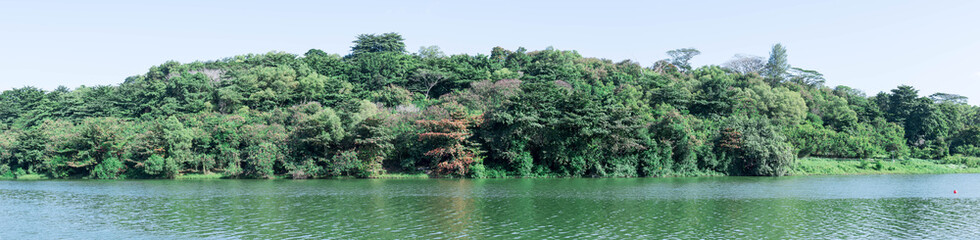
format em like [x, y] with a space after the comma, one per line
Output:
[449, 137]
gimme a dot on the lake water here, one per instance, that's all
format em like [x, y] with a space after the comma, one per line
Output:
[875, 206]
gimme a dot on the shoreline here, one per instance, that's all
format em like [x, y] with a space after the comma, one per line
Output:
[809, 166]
[830, 166]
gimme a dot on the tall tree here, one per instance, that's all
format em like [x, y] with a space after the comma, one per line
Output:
[452, 150]
[371, 43]
[901, 103]
[745, 64]
[682, 57]
[948, 98]
[423, 80]
[431, 52]
[778, 65]
[806, 77]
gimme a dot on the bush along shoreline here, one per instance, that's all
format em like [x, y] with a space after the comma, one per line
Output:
[825, 166]
[382, 112]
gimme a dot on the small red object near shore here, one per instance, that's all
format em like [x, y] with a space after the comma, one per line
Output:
[954, 191]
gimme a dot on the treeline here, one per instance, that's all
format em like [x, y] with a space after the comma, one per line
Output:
[518, 113]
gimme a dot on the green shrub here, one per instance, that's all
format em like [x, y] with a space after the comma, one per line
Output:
[879, 165]
[5, 170]
[305, 169]
[262, 160]
[234, 170]
[58, 167]
[494, 173]
[345, 162]
[755, 147]
[524, 163]
[656, 161]
[157, 166]
[108, 169]
[971, 162]
[478, 171]
[864, 164]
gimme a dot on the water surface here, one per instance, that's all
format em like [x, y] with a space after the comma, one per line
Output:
[832, 207]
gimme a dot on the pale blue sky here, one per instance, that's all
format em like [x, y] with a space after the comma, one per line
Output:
[870, 45]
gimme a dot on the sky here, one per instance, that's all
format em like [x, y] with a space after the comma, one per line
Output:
[873, 46]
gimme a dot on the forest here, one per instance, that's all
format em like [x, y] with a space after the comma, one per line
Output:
[381, 109]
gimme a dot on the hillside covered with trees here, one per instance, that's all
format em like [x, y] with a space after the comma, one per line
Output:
[380, 109]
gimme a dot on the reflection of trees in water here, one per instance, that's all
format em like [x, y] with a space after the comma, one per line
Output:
[453, 208]
[384, 211]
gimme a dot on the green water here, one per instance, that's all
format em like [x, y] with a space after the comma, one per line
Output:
[882, 206]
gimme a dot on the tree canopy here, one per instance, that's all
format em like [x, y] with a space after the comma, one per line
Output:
[551, 112]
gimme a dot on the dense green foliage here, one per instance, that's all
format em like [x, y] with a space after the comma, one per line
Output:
[381, 110]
